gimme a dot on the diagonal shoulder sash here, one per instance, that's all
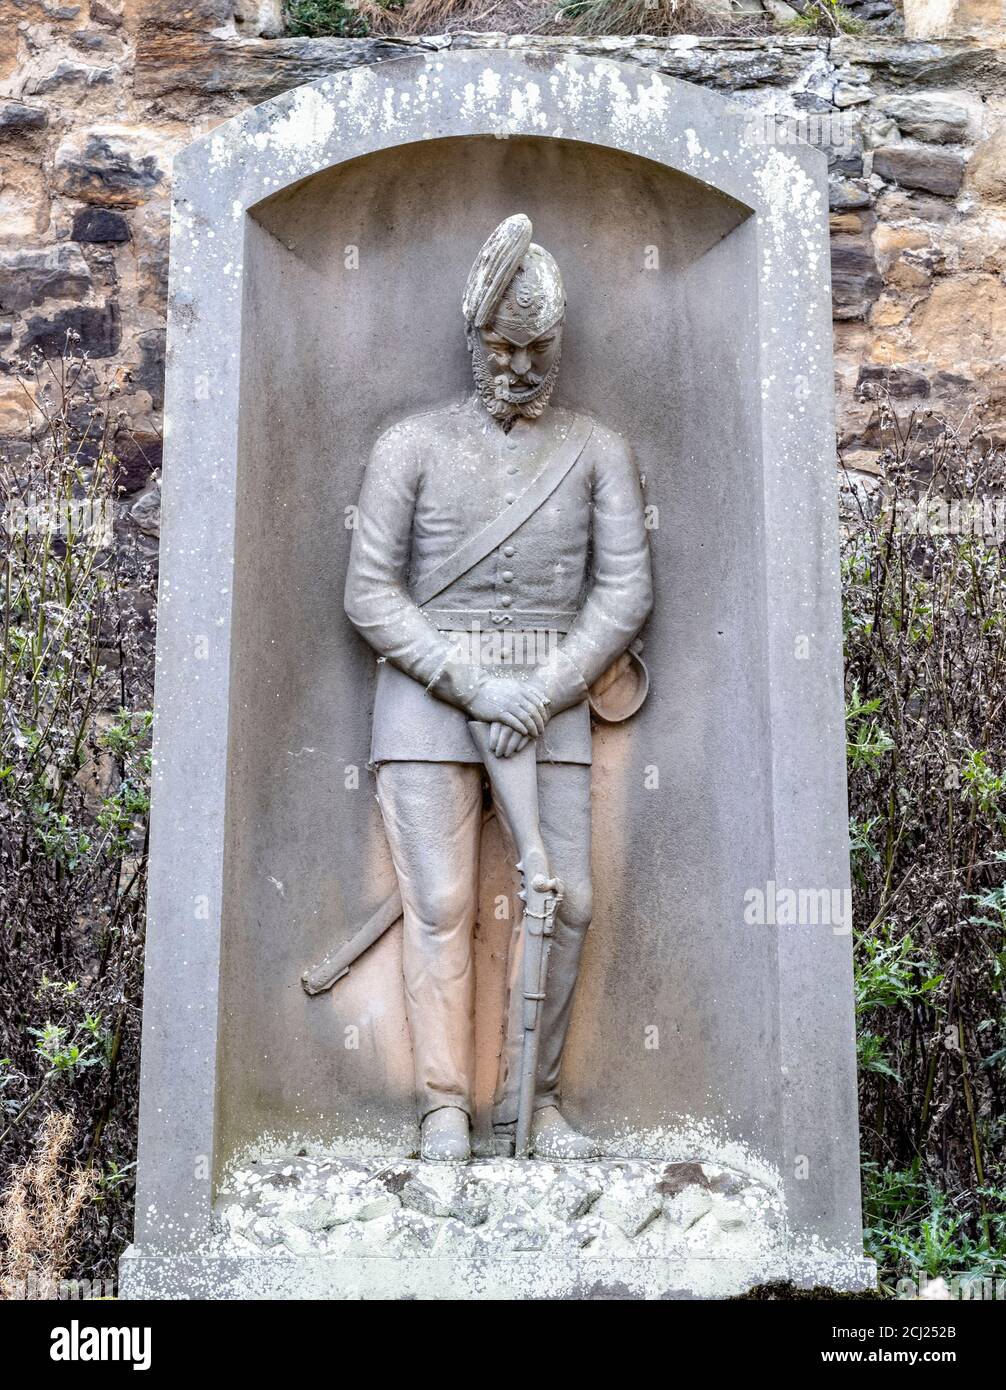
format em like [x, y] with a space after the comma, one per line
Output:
[477, 547]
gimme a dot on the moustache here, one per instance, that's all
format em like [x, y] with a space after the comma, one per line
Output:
[509, 387]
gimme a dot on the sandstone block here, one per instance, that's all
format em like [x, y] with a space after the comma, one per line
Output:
[921, 166]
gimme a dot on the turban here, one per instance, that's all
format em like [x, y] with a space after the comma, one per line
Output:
[515, 282]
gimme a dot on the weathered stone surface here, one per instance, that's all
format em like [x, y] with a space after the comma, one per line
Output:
[9, 43]
[146, 510]
[193, 14]
[855, 280]
[876, 382]
[912, 270]
[726, 1181]
[493, 1207]
[874, 78]
[376, 1206]
[97, 329]
[31, 276]
[99, 778]
[846, 194]
[735, 64]
[107, 12]
[218, 178]
[962, 325]
[896, 204]
[319, 1216]
[972, 19]
[976, 242]
[138, 454]
[906, 256]
[15, 414]
[929, 118]
[630, 1204]
[259, 18]
[68, 73]
[846, 222]
[260, 68]
[16, 116]
[987, 169]
[451, 1197]
[921, 166]
[96, 224]
[111, 166]
[521, 1232]
[96, 41]
[253, 68]
[24, 198]
[902, 63]
[846, 95]
[688, 1206]
[571, 1195]
[890, 242]
[148, 374]
[677, 1176]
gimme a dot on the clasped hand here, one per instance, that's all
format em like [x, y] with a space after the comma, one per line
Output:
[515, 710]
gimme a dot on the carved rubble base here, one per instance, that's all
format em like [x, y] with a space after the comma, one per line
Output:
[497, 1206]
[338, 1228]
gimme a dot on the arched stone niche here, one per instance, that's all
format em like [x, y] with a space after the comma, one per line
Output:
[319, 246]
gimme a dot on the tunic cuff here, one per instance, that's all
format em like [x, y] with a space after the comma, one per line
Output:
[456, 682]
[561, 681]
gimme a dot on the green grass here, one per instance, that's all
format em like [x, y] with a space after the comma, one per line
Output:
[320, 18]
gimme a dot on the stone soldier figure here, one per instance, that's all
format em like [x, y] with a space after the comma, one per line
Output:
[563, 593]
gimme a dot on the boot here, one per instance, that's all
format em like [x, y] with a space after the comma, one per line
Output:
[445, 1136]
[551, 1137]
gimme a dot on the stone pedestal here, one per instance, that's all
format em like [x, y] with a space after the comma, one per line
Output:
[337, 1228]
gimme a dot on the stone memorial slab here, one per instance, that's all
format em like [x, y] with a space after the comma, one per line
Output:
[686, 1124]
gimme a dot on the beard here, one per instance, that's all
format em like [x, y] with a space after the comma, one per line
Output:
[506, 403]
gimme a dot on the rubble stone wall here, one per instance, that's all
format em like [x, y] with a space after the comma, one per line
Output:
[97, 95]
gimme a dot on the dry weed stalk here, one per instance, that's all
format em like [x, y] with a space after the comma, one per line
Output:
[39, 1214]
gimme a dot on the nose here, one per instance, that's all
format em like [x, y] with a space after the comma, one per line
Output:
[520, 361]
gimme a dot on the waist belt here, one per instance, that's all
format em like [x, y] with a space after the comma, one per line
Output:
[496, 619]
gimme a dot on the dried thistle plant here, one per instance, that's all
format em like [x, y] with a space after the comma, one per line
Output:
[39, 1215]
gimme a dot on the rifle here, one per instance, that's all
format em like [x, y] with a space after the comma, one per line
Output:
[514, 782]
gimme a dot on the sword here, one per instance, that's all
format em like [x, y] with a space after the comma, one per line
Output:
[514, 782]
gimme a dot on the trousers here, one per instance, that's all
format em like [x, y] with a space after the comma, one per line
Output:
[432, 814]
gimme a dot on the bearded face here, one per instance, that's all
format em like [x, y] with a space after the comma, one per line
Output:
[514, 307]
[515, 373]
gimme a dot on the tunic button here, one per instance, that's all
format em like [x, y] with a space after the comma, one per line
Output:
[510, 498]
[513, 469]
[507, 576]
[508, 550]
[506, 601]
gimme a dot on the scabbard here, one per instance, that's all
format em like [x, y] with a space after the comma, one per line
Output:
[334, 966]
